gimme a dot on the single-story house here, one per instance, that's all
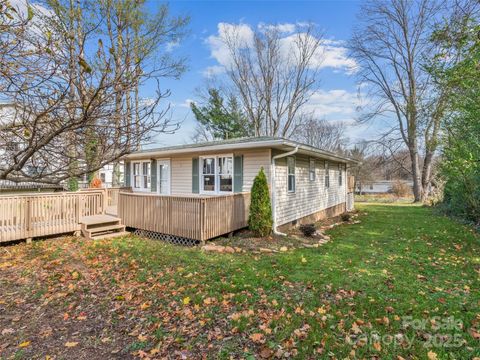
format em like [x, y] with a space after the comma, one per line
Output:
[306, 183]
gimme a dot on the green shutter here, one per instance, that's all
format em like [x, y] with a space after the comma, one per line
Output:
[238, 173]
[126, 173]
[195, 181]
[153, 170]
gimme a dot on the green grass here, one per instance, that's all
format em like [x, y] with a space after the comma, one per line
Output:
[401, 262]
[403, 272]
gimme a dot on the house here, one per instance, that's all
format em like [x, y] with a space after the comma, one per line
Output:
[105, 174]
[306, 184]
[379, 186]
[11, 187]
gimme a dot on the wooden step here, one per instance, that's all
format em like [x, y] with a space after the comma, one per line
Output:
[111, 235]
[104, 229]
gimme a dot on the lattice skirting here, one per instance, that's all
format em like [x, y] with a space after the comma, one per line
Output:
[172, 239]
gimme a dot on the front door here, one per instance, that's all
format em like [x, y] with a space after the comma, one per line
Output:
[163, 177]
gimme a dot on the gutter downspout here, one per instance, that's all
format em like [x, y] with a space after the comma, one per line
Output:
[274, 210]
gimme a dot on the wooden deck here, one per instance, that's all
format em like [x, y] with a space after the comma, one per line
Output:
[31, 215]
[193, 217]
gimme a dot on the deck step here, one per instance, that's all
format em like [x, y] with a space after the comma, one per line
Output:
[106, 228]
[101, 226]
[111, 235]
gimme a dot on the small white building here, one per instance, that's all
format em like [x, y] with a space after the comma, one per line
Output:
[378, 186]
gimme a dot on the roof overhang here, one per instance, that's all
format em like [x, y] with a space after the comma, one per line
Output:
[278, 144]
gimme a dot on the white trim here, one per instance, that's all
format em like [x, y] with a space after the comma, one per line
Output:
[216, 176]
[305, 149]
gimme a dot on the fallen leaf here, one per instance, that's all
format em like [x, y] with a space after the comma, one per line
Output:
[24, 344]
[186, 300]
[144, 306]
[257, 337]
[377, 346]
[70, 344]
[431, 355]
[7, 331]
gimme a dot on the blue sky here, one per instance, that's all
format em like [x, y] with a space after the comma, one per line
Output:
[337, 98]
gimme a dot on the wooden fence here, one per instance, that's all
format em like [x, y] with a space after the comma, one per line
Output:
[194, 217]
[31, 215]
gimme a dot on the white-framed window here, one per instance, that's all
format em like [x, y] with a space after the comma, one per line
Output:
[327, 174]
[340, 175]
[136, 175]
[225, 173]
[311, 170]
[291, 174]
[146, 175]
[216, 174]
[142, 175]
[208, 174]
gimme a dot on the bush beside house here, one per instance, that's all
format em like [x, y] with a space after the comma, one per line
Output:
[260, 218]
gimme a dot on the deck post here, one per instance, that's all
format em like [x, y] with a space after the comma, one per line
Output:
[28, 218]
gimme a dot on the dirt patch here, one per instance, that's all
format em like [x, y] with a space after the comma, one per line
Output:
[244, 240]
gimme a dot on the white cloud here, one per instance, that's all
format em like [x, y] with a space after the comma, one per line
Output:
[332, 54]
[241, 33]
[335, 104]
[282, 28]
[214, 70]
[171, 46]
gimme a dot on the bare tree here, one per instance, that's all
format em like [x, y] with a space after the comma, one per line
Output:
[274, 76]
[323, 134]
[60, 104]
[391, 45]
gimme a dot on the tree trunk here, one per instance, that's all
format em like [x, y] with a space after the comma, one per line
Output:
[427, 174]
[417, 183]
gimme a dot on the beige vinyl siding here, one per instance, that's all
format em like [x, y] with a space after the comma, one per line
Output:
[253, 160]
[309, 196]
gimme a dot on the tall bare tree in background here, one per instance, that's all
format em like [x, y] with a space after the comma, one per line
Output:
[63, 91]
[323, 134]
[392, 46]
[274, 76]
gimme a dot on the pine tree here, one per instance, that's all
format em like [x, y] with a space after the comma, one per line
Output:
[260, 218]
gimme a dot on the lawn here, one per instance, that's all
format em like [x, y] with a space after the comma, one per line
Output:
[404, 283]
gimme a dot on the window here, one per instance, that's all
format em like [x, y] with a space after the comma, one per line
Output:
[136, 175]
[146, 175]
[327, 175]
[141, 175]
[102, 177]
[208, 174]
[217, 174]
[225, 173]
[340, 169]
[291, 173]
[311, 172]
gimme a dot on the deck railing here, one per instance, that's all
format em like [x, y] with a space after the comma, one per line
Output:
[192, 217]
[31, 215]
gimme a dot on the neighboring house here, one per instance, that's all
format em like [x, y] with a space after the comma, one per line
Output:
[106, 175]
[306, 183]
[379, 186]
[10, 187]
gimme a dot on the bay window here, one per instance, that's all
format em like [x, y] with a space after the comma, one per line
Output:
[216, 174]
[136, 175]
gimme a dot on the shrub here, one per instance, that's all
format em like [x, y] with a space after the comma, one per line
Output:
[345, 217]
[260, 218]
[401, 189]
[308, 229]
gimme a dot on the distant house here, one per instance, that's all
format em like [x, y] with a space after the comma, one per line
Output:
[106, 175]
[10, 187]
[378, 186]
[306, 183]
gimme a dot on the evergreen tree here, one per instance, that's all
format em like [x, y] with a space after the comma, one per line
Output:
[221, 120]
[260, 218]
